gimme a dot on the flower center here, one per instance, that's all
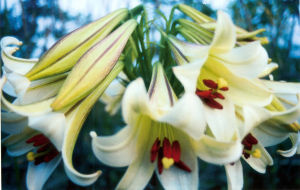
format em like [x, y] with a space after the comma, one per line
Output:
[208, 96]
[248, 143]
[46, 150]
[167, 155]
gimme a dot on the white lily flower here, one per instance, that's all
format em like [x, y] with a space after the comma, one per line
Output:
[161, 135]
[221, 76]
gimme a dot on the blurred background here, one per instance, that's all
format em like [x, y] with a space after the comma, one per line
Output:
[39, 23]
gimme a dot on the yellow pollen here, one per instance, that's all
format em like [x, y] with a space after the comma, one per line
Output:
[256, 153]
[30, 156]
[222, 83]
[167, 162]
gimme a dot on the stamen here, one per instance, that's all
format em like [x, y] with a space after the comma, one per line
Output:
[46, 151]
[210, 84]
[248, 143]
[209, 96]
[167, 155]
[155, 149]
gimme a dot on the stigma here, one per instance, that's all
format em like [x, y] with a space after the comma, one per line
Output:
[46, 150]
[248, 150]
[167, 155]
[209, 96]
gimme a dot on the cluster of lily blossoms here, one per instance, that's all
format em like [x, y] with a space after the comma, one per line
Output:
[204, 91]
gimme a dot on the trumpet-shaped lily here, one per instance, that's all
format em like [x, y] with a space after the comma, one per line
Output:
[65, 53]
[57, 130]
[18, 85]
[161, 136]
[221, 76]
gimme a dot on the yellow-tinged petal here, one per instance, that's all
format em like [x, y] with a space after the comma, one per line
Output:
[12, 63]
[67, 51]
[225, 35]
[93, 67]
[34, 109]
[160, 91]
[75, 120]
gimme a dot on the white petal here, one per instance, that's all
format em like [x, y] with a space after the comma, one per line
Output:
[13, 123]
[19, 83]
[186, 52]
[225, 36]
[295, 138]
[222, 122]
[34, 109]
[234, 174]
[260, 164]
[52, 125]
[249, 61]
[253, 116]
[160, 91]
[117, 150]
[188, 75]
[8, 88]
[41, 93]
[282, 87]
[139, 172]
[135, 101]
[37, 175]
[178, 179]
[217, 152]
[187, 115]
[16, 144]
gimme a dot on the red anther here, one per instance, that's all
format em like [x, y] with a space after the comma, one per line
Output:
[210, 83]
[43, 148]
[35, 138]
[41, 141]
[246, 155]
[224, 88]
[180, 164]
[155, 149]
[159, 161]
[167, 149]
[232, 163]
[176, 151]
[251, 139]
[212, 103]
[247, 145]
[218, 95]
[51, 155]
[204, 93]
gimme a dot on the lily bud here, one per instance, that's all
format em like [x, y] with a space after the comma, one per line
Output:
[94, 66]
[63, 55]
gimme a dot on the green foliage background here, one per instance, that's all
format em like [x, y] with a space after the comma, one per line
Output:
[280, 18]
